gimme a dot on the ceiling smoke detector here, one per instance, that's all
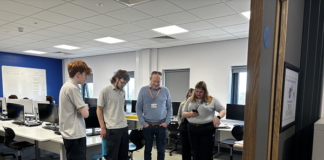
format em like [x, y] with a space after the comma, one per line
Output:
[163, 39]
[131, 2]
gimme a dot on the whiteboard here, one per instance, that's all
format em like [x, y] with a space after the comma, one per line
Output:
[24, 82]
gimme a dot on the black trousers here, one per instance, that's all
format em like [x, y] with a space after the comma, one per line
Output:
[76, 149]
[186, 147]
[202, 141]
[117, 144]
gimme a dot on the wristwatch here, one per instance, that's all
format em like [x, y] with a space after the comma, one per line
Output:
[219, 117]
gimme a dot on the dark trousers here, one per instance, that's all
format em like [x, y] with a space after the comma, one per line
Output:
[117, 144]
[186, 147]
[202, 141]
[76, 149]
[160, 134]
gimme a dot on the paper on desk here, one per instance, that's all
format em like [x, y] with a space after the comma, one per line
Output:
[239, 142]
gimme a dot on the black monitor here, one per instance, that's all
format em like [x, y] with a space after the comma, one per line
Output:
[175, 107]
[0, 107]
[16, 112]
[235, 112]
[48, 113]
[92, 121]
[134, 106]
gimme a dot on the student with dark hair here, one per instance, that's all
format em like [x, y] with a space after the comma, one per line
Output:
[13, 97]
[26, 98]
[50, 99]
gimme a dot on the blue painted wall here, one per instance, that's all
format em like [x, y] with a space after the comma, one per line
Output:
[52, 66]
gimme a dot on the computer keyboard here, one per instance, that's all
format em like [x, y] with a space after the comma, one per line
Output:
[50, 127]
[30, 124]
[57, 132]
[17, 122]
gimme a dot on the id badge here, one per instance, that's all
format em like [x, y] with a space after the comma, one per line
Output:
[154, 105]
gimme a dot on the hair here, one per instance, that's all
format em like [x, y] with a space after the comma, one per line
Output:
[202, 85]
[120, 74]
[50, 99]
[189, 91]
[156, 72]
[13, 97]
[26, 98]
[78, 66]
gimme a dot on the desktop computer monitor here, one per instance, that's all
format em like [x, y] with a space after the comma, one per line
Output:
[134, 102]
[175, 108]
[36, 106]
[48, 113]
[235, 112]
[0, 107]
[16, 112]
[27, 103]
[92, 121]
[3, 103]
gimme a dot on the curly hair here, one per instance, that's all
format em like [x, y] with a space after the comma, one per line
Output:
[13, 97]
[78, 66]
[120, 74]
[202, 85]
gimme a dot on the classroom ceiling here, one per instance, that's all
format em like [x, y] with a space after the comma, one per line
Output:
[48, 23]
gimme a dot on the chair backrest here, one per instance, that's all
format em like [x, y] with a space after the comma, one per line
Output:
[237, 132]
[173, 130]
[137, 137]
[9, 136]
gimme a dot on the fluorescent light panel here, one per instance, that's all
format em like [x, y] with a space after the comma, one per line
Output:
[34, 52]
[247, 14]
[67, 47]
[170, 30]
[109, 40]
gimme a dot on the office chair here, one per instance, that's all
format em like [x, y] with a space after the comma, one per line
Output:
[9, 136]
[2, 154]
[174, 134]
[137, 141]
[103, 151]
[237, 133]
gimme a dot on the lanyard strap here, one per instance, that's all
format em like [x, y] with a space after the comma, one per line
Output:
[156, 94]
[198, 103]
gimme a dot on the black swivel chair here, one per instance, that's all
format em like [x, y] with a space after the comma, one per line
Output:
[137, 141]
[2, 154]
[237, 133]
[9, 136]
[174, 134]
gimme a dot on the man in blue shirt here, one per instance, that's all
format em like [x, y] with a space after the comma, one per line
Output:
[154, 112]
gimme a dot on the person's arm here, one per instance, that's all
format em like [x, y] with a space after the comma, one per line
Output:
[186, 113]
[76, 98]
[219, 108]
[169, 110]
[179, 116]
[101, 104]
[139, 108]
[84, 111]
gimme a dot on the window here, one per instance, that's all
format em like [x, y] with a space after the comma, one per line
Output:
[87, 88]
[238, 89]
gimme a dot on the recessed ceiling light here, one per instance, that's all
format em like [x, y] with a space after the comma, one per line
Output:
[247, 14]
[109, 40]
[35, 52]
[170, 30]
[67, 47]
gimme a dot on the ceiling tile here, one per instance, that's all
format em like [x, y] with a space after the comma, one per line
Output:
[128, 44]
[127, 37]
[222, 37]
[53, 17]
[10, 32]
[74, 11]
[21, 39]
[147, 34]
[14, 26]
[111, 47]
[4, 36]
[85, 26]
[106, 32]
[127, 28]
[187, 35]
[211, 32]
[92, 43]
[107, 5]
[82, 46]
[199, 40]
[191, 4]
[212, 11]
[48, 33]
[157, 8]
[195, 26]
[18, 8]
[58, 41]
[35, 36]
[73, 38]
[177, 43]
[35, 22]
[158, 45]
[240, 5]
[64, 29]
[9, 16]
[44, 4]
[151, 23]
[228, 20]
[237, 28]
[179, 18]
[50, 49]
[103, 20]
[128, 15]
[241, 34]
[145, 42]
[88, 35]
[42, 44]
[8, 43]
[2, 22]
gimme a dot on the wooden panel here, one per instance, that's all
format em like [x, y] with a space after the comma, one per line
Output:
[253, 69]
[280, 72]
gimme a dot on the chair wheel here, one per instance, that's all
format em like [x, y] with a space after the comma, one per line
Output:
[170, 154]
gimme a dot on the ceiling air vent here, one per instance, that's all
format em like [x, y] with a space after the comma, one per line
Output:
[163, 39]
[131, 2]
[59, 52]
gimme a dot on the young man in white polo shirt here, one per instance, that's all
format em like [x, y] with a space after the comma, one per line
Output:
[112, 119]
[73, 110]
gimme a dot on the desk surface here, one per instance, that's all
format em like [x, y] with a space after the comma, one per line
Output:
[91, 141]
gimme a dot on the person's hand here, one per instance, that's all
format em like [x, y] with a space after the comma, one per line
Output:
[164, 125]
[179, 124]
[194, 114]
[216, 122]
[147, 125]
[103, 133]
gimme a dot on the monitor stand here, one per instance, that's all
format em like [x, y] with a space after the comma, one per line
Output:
[93, 132]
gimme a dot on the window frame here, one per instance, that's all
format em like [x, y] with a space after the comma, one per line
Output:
[235, 82]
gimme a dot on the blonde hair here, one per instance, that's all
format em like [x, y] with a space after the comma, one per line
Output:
[189, 91]
[202, 85]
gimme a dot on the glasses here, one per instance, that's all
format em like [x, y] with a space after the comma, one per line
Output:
[123, 83]
[156, 72]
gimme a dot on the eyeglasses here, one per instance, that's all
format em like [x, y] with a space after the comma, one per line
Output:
[123, 83]
[156, 72]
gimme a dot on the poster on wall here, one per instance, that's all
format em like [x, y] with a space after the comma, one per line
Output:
[289, 99]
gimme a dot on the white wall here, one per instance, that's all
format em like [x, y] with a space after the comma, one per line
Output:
[210, 62]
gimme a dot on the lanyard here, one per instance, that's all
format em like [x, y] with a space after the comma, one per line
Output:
[198, 104]
[152, 94]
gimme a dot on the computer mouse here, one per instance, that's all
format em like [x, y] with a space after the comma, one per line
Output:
[57, 132]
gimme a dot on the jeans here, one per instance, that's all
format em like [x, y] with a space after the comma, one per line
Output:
[76, 149]
[117, 144]
[202, 141]
[160, 134]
